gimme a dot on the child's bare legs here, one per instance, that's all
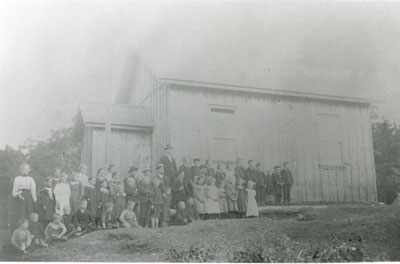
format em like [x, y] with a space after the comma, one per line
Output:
[153, 222]
[156, 222]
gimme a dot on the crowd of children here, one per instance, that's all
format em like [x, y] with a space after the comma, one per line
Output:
[74, 205]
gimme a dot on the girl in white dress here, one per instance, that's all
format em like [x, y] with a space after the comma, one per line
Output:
[252, 209]
[211, 204]
[62, 193]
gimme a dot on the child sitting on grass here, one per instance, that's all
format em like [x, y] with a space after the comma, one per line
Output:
[84, 221]
[68, 221]
[128, 216]
[36, 230]
[108, 219]
[21, 238]
[55, 230]
[252, 209]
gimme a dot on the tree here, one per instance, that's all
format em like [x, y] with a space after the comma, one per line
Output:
[386, 141]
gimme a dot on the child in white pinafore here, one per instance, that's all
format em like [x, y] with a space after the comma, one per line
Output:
[252, 209]
[211, 204]
[62, 193]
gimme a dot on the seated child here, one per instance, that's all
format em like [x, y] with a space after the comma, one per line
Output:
[55, 230]
[128, 216]
[84, 220]
[191, 211]
[252, 209]
[180, 217]
[68, 221]
[21, 238]
[36, 230]
[108, 219]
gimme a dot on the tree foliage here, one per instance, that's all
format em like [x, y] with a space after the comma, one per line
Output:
[386, 140]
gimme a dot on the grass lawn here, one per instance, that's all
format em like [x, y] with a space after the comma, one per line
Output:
[372, 230]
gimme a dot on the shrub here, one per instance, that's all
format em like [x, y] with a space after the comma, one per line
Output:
[195, 253]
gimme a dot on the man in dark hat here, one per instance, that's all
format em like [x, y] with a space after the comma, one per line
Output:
[131, 185]
[169, 163]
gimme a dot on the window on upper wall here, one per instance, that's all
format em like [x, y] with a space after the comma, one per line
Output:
[222, 127]
[329, 139]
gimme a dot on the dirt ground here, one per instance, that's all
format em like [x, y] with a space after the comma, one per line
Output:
[374, 229]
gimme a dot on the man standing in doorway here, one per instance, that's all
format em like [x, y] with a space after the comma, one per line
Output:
[169, 163]
[287, 182]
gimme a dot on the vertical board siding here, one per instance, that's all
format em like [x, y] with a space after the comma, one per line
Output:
[86, 154]
[272, 130]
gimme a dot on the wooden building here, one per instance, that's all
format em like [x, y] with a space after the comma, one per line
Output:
[325, 138]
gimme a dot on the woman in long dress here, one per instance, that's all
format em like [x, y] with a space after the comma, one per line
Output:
[24, 193]
[62, 193]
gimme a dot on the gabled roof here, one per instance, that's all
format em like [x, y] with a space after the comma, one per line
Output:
[121, 116]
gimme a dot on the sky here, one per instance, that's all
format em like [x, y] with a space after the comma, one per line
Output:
[54, 54]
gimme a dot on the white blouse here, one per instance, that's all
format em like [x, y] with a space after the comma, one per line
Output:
[24, 183]
[62, 189]
[84, 179]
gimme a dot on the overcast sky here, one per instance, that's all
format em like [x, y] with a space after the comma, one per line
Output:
[53, 55]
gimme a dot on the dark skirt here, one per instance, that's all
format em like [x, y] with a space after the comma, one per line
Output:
[22, 209]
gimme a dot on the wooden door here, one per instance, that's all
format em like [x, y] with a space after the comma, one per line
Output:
[127, 148]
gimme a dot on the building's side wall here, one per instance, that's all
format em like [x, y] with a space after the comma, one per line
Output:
[272, 130]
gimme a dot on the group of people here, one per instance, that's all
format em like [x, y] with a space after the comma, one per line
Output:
[73, 205]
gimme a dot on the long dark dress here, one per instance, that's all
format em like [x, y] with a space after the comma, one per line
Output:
[46, 206]
[260, 188]
[242, 199]
[178, 194]
[76, 195]
[102, 199]
[26, 186]
[91, 197]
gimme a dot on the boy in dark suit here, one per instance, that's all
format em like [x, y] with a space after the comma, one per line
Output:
[287, 182]
[278, 183]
